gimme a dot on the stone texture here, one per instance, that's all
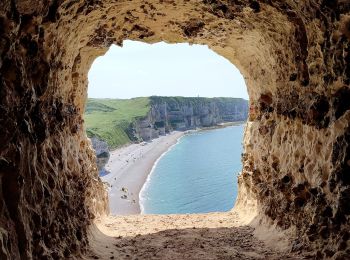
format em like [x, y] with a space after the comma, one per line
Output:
[102, 153]
[294, 56]
[182, 113]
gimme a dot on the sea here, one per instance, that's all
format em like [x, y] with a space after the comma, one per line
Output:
[196, 175]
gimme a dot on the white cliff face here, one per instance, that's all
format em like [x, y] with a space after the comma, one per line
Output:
[100, 146]
[101, 151]
[169, 113]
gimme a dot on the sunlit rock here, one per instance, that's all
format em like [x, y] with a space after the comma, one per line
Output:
[294, 56]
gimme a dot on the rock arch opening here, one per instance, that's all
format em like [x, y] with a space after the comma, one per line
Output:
[295, 57]
[142, 99]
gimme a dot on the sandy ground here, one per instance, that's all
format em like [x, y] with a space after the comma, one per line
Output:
[195, 236]
[129, 167]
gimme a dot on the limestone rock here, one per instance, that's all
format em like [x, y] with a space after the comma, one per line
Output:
[102, 153]
[183, 113]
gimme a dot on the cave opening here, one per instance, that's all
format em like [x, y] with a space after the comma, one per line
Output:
[173, 101]
[295, 59]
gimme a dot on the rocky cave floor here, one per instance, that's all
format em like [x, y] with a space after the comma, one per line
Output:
[196, 236]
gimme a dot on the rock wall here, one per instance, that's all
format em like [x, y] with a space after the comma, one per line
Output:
[182, 113]
[102, 153]
[293, 54]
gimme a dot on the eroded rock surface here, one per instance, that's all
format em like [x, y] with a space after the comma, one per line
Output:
[102, 153]
[295, 59]
[184, 113]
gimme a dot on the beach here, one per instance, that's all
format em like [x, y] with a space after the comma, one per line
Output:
[129, 168]
[127, 234]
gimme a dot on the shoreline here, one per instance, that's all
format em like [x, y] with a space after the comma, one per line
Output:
[153, 167]
[222, 125]
[129, 168]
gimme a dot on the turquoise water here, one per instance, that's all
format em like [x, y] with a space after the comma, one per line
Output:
[197, 175]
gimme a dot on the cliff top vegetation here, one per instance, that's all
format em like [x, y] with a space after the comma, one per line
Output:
[108, 119]
[111, 119]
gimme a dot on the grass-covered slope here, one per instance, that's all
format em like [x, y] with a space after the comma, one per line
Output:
[195, 101]
[109, 119]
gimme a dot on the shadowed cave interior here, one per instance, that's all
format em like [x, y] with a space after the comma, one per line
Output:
[295, 60]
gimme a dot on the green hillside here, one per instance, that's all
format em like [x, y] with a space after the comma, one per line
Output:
[109, 119]
[176, 101]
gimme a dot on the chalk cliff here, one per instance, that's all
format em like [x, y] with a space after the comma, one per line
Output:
[183, 113]
[102, 153]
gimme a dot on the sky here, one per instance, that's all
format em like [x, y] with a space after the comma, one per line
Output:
[139, 69]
